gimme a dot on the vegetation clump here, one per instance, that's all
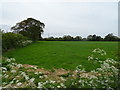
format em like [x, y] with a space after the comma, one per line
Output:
[11, 40]
[17, 76]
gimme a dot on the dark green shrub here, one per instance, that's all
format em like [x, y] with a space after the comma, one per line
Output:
[11, 40]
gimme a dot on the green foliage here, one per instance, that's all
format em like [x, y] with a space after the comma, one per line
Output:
[11, 40]
[64, 38]
[94, 38]
[0, 44]
[111, 37]
[30, 28]
[67, 38]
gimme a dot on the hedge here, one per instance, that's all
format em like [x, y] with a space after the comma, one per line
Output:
[12, 40]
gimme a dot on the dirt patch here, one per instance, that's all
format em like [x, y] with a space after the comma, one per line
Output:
[56, 74]
[61, 71]
[29, 66]
[43, 71]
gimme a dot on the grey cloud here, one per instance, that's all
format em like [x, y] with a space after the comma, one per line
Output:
[66, 18]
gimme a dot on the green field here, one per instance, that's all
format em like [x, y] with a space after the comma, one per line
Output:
[61, 54]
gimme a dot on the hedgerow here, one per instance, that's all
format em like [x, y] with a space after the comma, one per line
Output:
[11, 40]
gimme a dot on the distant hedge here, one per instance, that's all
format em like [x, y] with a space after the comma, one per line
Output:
[11, 40]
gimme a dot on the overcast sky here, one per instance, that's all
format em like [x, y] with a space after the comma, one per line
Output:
[65, 18]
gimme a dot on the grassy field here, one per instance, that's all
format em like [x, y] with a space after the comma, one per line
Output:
[61, 54]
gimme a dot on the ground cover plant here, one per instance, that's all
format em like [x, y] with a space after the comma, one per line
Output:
[62, 54]
[17, 75]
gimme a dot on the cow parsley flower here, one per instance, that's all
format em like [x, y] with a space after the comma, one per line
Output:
[18, 84]
[58, 86]
[35, 67]
[4, 68]
[36, 73]
[90, 57]
[19, 65]
[41, 77]
[32, 79]
[45, 76]
[40, 85]
[13, 71]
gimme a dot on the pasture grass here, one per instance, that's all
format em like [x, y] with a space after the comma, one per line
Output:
[62, 54]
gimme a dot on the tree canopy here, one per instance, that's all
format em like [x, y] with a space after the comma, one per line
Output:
[94, 38]
[30, 28]
[111, 37]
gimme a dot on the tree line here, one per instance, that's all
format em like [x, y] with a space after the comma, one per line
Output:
[109, 37]
[32, 30]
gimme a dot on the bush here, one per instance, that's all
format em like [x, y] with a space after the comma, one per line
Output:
[11, 40]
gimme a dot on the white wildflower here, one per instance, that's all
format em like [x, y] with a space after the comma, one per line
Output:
[32, 79]
[4, 83]
[41, 77]
[62, 79]
[17, 81]
[36, 73]
[8, 60]
[100, 61]
[4, 68]
[45, 76]
[93, 77]
[24, 43]
[11, 82]
[24, 75]
[93, 71]
[62, 84]
[10, 65]
[13, 71]
[58, 86]
[19, 65]
[90, 57]
[35, 67]
[12, 59]
[3, 71]
[6, 76]
[18, 84]
[40, 85]
[52, 81]
[14, 79]
[47, 81]
[96, 58]
[40, 72]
